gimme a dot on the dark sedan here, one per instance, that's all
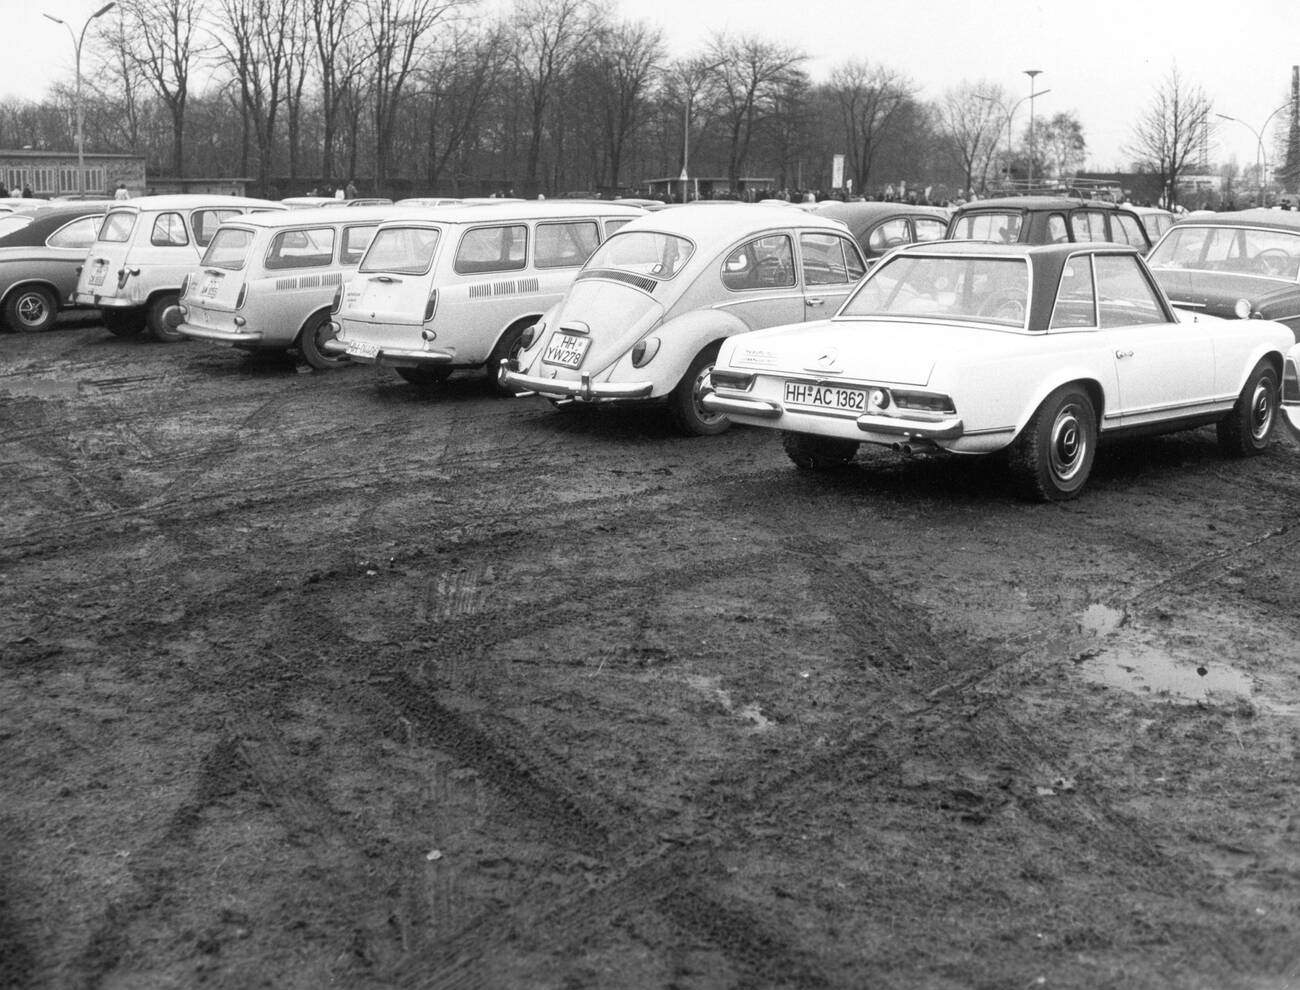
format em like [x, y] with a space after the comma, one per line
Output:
[41, 253]
[880, 227]
[1243, 264]
[1047, 220]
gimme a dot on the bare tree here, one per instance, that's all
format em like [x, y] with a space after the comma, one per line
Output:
[459, 77]
[969, 120]
[869, 98]
[117, 74]
[550, 34]
[1061, 145]
[749, 73]
[333, 28]
[627, 56]
[162, 42]
[1171, 131]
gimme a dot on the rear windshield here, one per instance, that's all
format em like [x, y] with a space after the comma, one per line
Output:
[1004, 228]
[401, 250]
[966, 290]
[228, 249]
[643, 252]
[118, 226]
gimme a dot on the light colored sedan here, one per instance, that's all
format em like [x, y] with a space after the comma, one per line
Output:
[646, 315]
[976, 348]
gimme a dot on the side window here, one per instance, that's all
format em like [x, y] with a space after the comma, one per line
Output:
[355, 242]
[206, 222]
[763, 263]
[889, 234]
[1124, 296]
[169, 231]
[1085, 226]
[1056, 229]
[492, 249]
[78, 235]
[1075, 302]
[929, 230]
[309, 248]
[566, 245]
[616, 223]
[823, 259]
[1126, 230]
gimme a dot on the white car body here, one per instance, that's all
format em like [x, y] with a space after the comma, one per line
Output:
[267, 280]
[895, 368]
[648, 311]
[144, 250]
[451, 287]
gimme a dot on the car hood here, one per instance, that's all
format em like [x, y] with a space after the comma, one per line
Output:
[614, 316]
[1218, 292]
[892, 352]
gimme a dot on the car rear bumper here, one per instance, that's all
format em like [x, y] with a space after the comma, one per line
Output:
[583, 390]
[237, 338]
[949, 428]
[396, 357]
[104, 302]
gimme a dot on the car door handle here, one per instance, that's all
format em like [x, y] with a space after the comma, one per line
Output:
[1123, 354]
[814, 300]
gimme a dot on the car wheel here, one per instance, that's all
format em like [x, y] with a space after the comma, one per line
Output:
[688, 415]
[814, 453]
[1244, 432]
[1053, 455]
[31, 309]
[123, 322]
[311, 344]
[162, 318]
[507, 349]
[424, 377]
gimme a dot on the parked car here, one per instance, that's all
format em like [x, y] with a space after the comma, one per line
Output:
[10, 204]
[267, 280]
[41, 252]
[454, 287]
[1047, 220]
[646, 315]
[1154, 220]
[880, 227]
[1245, 263]
[975, 348]
[1291, 391]
[144, 249]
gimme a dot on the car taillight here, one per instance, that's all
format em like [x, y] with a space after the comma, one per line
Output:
[185, 285]
[729, 379]
[529, 337]
[337, 302]
[243, 294]
[122, 275]
[931, 402]
[431, 306]
[644, 351]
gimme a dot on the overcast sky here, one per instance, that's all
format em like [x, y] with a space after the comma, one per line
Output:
[1101, 60]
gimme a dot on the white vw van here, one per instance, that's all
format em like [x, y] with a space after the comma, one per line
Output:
[267, 280]
[144, 249]
[454, 287]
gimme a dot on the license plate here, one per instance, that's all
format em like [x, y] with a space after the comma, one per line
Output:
[362, 348]
[566, 350]
[210, 286]
[826, 397]
[97, 276]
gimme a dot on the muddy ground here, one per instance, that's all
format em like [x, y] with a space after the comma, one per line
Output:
[315, 679]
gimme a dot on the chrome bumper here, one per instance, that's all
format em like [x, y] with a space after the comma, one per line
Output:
[403, 357]
[234, 337]
[911, 429]
[104, 302]
[583, 391]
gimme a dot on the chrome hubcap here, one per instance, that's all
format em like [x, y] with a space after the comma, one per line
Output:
[31, 310]
[1069, 444]
[1261, 411]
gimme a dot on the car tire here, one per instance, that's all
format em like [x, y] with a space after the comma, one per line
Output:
[1053, 455]
[31, 309]
[684, 407]
[814, 453]
[311, 340]
[160, 322]
[1245, 431]
[424, 377]
[123, 322]
[507, 348]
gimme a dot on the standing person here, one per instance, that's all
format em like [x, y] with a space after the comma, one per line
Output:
[121, 192]
[351, 190]
[27, 192]
[4, 193]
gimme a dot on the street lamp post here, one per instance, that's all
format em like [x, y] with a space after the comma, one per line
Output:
[1261, 157]
[77, 40]
[1010, 116]
[1033, 143]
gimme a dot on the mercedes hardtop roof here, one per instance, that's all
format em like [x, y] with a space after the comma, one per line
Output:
[1276, 219]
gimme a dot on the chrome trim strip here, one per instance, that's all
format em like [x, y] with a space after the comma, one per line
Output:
[945, 429]
[759, 408]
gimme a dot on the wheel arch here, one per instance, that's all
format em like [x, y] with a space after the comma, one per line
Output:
[681, 340]
[34, 281]
[297, 337]
[1091, 387]
[520, 323]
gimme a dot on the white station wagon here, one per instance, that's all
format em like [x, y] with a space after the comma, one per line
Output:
[267, 280]
[454, 287]
[145, 248]
[975, 348]
[645, 317]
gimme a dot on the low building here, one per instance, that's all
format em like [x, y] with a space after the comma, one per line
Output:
[54, 173]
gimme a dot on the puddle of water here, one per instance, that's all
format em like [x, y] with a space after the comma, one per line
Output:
[1100, 620]
[1151, 672]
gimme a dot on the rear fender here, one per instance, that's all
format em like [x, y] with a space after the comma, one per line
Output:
[680, 340]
